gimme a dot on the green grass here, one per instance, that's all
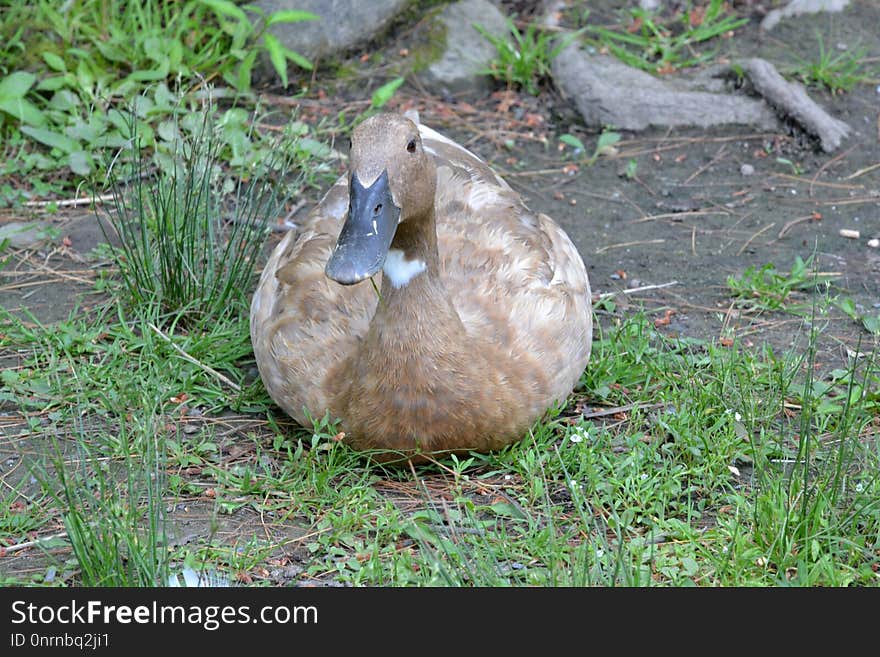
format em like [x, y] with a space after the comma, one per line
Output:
[523, 58]
[838, 71]
[767, 288]
[69, 73]
[189, 237]
[725, 466]
[113, 509]
[661, 47]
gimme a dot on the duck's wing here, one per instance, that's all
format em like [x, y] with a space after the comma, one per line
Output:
[514, 275]
[302, 323]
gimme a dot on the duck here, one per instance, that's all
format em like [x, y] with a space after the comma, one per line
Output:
[476, 318]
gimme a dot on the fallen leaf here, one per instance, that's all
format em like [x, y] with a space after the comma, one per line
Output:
[725, 342]
[67, 242]
[664, 321]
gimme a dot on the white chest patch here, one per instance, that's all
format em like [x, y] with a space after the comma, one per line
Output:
[399, 270]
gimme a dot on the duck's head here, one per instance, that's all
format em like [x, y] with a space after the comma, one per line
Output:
[392, 181]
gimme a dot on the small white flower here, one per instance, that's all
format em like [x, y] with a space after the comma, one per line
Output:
[737, 417]
[577, 435]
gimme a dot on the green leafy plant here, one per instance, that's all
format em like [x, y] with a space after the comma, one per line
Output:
[523, 58]
[655, 47]
[796, 169]
[766, 288]
[60, 100]
[604, 145]
[385, 93]
[837, 71]
[13, 89]
[871, 323]
[155, 40]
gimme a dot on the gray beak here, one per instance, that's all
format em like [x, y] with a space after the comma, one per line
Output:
[367, 233]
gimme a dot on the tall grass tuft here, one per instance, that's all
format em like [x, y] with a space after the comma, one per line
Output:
[188, 235]
[112, 509]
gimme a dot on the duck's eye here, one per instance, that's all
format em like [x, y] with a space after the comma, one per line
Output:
[411, 146]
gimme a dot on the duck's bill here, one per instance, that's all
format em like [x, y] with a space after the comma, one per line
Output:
[367, 233]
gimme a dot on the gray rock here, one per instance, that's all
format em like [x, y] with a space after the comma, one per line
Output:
[25, 235]
[797, 7]
[468, 53]
[607, 92]
[747, 170]
[344, 24]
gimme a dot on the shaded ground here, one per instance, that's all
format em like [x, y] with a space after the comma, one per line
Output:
[687, 219]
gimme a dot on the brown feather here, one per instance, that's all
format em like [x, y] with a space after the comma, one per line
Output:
[468, 354]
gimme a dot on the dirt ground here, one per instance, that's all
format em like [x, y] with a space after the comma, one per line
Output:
[687, 220]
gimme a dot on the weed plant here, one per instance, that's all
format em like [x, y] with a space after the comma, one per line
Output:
[655, 47]
[523, 59]
[181, 246]
[838, 71]
[66, 69]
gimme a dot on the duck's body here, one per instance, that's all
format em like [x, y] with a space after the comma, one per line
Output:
[484, 319]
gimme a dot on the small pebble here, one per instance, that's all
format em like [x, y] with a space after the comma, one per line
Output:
[874, 243]
[191, 428]
[747, 170]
